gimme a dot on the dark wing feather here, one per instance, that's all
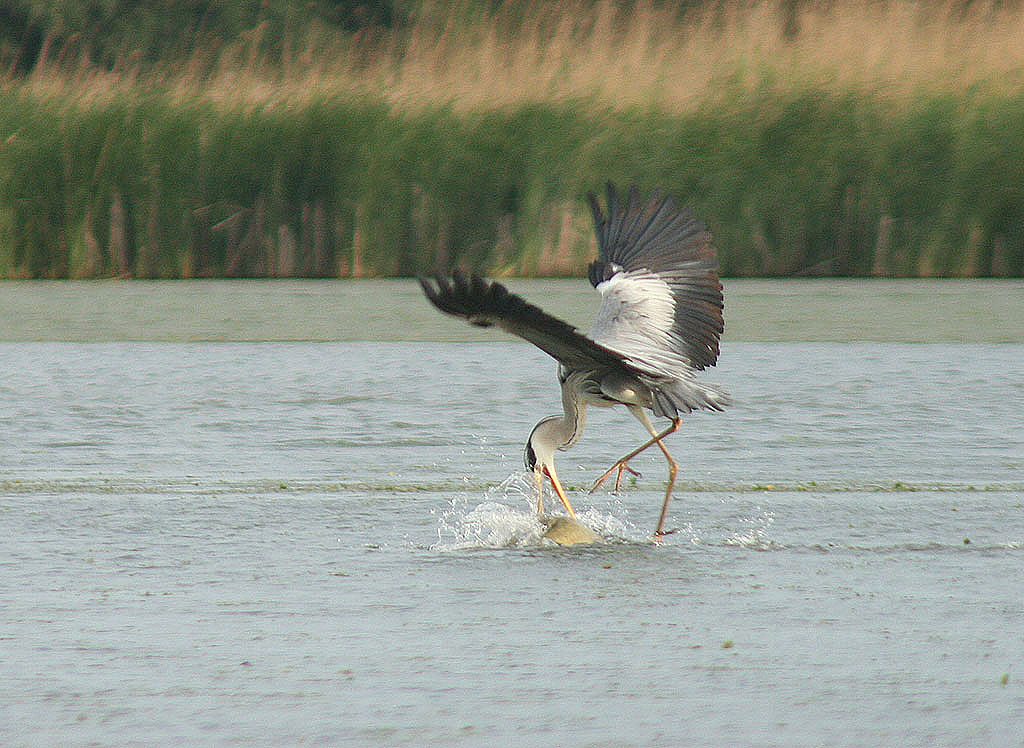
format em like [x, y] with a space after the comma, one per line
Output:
[656, 240]
[487, 303]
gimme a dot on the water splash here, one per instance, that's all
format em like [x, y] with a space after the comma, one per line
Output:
[507, 518]
[614, 526]
[756, 537]
[487, 525]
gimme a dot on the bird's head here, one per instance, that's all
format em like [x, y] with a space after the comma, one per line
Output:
[540, 447]
[539, 457]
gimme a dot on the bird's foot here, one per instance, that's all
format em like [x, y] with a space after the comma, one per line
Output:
[622, 467]
[659, 535]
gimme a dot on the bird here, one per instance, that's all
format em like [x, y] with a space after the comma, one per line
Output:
[660, 322]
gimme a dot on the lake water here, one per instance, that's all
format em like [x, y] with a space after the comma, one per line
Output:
[329, 540]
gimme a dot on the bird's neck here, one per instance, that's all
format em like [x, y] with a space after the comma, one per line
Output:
[559, 432]
[570, 426]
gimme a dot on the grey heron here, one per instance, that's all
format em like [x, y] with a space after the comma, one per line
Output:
[659, 323]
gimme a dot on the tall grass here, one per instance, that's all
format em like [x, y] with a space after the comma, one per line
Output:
[628, 55]
[882, 139]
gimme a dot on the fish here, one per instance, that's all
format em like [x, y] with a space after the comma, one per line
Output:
[568, 531]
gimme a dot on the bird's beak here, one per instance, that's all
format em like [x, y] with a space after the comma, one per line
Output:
[549, 471]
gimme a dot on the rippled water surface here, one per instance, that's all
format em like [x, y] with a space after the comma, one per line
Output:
[332, 543]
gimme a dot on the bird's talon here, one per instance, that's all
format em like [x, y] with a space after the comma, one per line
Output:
[659, 536]
[622, 467]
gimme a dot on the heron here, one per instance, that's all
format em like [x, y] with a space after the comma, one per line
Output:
[659, 323]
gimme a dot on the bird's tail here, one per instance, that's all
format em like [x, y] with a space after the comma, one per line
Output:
[684, 397]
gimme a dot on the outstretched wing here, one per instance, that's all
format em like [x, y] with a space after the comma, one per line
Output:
[658, 275]
[487, 303]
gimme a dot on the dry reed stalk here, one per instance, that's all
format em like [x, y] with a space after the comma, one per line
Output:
[562, 242]
[313, 239]
[342, 267]
[147, 264]
[504, 245]
[882, 262]
[253, 246]
[321, 258]
[599, 53]
[118, 249]
[971, 265]
[1000, 267]
[651, 58]
[92, 263]
[357, 242]
[286, 252]
[926, 261]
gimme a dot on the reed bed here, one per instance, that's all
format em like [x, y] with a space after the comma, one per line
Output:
[863, 139]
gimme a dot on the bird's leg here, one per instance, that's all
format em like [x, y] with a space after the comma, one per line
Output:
[673, 469]
[621, 464]
[673, 466]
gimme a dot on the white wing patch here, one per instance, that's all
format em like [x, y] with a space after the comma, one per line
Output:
[636, 318]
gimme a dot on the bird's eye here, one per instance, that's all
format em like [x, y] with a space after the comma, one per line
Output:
[529, 456]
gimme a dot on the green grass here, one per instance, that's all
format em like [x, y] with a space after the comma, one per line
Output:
[277, 139]
[804, 182]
